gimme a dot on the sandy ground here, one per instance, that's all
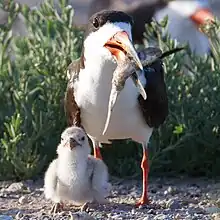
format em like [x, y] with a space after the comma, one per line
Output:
[179, 198]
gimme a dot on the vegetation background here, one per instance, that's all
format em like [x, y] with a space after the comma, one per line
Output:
[32, 88]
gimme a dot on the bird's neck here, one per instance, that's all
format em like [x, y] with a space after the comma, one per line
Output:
[97, 74]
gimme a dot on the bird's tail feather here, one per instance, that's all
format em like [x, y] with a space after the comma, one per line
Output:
[169, 52]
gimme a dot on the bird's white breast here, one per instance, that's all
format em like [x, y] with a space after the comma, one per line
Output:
[92, 95]
[73, 179]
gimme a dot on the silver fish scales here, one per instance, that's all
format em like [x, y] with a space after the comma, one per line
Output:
[125, 69]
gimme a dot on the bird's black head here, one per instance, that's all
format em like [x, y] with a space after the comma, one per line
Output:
[108, 37]
[98, 19]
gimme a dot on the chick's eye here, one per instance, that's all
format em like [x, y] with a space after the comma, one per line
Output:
[95, 23]
[61, 139]
[83, 138]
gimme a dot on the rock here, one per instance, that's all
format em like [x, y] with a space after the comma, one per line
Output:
[212, 210]
[80, 216]
[170, 191]
[2, 193]
[173, 204]
[166, 192]
[160, 217]
[151, 211]
[19, 215]
[23, 199]
[117, 216]
[218, 202]
[204, 202]
[177, 216]
[16, 187]
[216, 216]
[133, 211]
[5, 217]
[208, 195]
[25, 218]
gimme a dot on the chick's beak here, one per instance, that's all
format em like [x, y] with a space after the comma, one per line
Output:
[202, 16]
[73, 143]
[119, 45]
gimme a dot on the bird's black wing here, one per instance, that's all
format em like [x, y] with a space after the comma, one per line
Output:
[71, 108]
[155, 107]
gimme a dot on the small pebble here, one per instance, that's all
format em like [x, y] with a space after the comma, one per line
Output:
[173, 204]
[151, 211]
[212, 210]
[80, 216]
[19, 215]
[23, 199]
[218, 202]
[177, 216]
[216, 216]
[5, 217]
[133, 211]
[160, 217]
[170, 191]
[16, 187]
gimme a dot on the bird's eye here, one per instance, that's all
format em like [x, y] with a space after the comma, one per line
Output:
[61, 139]
[95, 23]
[83, 138]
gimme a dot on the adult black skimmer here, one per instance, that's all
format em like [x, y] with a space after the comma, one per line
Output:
[108, 37]
[185, 16]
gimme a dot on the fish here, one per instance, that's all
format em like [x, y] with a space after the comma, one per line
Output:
[128, 68]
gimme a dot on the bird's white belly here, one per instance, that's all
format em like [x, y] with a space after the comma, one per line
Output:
[126, 120]
[73, 184]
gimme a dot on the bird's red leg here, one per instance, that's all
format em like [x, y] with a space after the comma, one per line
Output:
[145, 169]
[97, 152]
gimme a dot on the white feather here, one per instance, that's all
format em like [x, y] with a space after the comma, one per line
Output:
[50, 182]
[75, 175]
[93, 89]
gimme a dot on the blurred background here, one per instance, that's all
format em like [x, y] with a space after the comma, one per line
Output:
[38, 42]
[143, 11]
[185, 17]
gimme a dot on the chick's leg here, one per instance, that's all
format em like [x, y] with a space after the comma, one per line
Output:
[96, 150]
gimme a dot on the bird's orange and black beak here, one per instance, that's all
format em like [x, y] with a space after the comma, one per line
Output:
[202, 16]
[119, 45]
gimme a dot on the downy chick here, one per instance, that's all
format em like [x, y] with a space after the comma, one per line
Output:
[75, 175]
